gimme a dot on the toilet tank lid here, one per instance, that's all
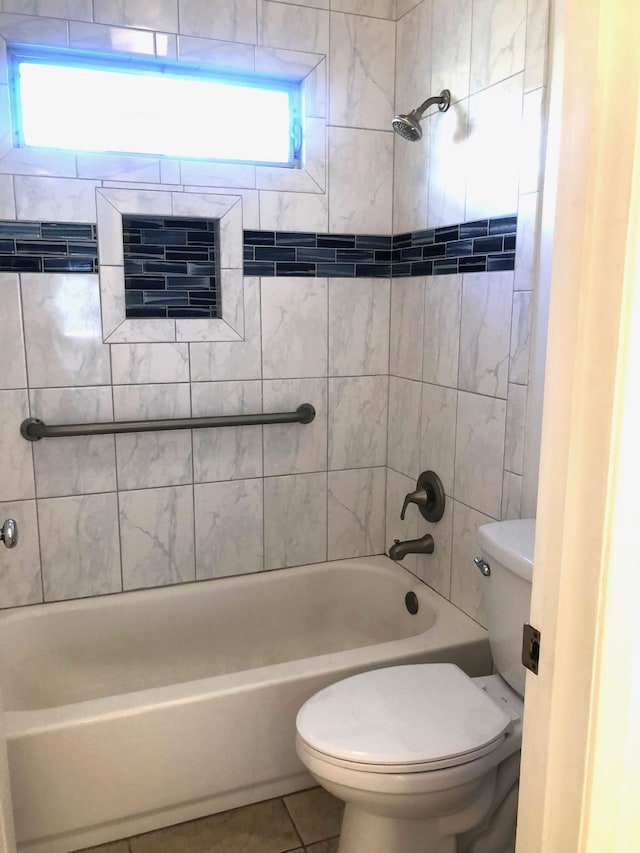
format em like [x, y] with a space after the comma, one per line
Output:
[511, 544]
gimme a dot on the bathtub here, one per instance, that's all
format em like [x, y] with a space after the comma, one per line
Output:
[134, 711]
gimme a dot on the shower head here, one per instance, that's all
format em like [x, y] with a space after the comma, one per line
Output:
[408, 126]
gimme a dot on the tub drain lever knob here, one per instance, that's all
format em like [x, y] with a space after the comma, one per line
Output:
[9, 533]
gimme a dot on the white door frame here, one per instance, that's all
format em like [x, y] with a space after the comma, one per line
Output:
[581, 751]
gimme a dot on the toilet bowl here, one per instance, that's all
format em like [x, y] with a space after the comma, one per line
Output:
[414, 752]
[425, 758]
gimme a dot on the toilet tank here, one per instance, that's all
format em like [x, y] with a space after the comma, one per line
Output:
[507, 546]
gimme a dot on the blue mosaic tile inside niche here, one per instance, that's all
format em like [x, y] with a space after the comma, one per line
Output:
[171, 267]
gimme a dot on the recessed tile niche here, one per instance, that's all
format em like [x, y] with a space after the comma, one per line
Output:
[158, 296]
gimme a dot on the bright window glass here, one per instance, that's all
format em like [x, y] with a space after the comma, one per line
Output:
[68, 104]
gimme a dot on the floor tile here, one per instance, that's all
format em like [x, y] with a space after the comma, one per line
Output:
[260, 828]
[330, 846]
[316, 814]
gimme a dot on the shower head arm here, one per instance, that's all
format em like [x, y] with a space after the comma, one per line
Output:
[443, 102]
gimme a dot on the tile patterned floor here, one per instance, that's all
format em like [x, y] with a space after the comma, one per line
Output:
[304, 822]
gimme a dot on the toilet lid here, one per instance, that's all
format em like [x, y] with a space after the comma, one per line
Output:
[403, 715]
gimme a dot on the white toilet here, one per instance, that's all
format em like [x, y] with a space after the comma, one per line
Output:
[425, 758]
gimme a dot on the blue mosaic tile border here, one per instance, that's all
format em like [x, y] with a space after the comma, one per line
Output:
[486, 245]
[171, 267]
[48, 247]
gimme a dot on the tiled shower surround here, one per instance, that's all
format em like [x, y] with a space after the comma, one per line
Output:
[408, 373]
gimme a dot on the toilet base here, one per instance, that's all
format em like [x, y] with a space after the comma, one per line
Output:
[363, 832]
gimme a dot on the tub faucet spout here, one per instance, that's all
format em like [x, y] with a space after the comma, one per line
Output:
[399, 550]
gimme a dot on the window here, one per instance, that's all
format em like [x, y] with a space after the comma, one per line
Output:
[78, 102]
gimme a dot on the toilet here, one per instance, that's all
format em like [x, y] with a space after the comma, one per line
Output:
[426, 758]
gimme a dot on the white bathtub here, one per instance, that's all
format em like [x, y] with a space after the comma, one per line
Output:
[139, 710]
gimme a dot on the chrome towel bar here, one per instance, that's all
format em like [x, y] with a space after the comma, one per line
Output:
[34, 429]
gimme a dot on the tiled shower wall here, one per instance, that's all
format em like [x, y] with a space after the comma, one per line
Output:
[460, 344]
[102, 514]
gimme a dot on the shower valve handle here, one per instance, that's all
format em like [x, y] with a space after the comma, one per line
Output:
[418, 497]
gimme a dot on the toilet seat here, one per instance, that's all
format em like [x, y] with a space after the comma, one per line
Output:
[403, 719]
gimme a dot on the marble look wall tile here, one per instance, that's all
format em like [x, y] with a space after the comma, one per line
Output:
[233, 359]
[498, 41]
[361, 71]
[229, 453]
[437, 448]
[360, 181]
[55, 199]
[511, 496]
[150, 459]
[79, 10]
[217, 54]
[74, 466]
[356, 512]
[282, 211]
[294, 327]
[160, 15]
[210, 174]
[142, 364]
[449, 153]
[17, 481]
[493, 170]
[480, 429]
[520, 338]
[531, 167]
[404, 6]
[451, 47]
[358, 422]
[23, 29]
[405, 411]
[468, 586]
[13, 355]
[116, 168]
[398, 485]
[358, 327]
[514, 433]
[295, 520]
[527, 242]
[294, 64]
[63, 330]
[375, 8]
[435, 569]
[294, 27]
[537, 44]
[234, 20]
[410, 184]
[295, 448]
[413, 58]
[21, 578]
[111, 39]
[80, 546]
[22, 161]
[484, 332]
[442, 310]
[7, 198]
[407, 327]
[229, 528]
[316, 91]
[156, 529]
